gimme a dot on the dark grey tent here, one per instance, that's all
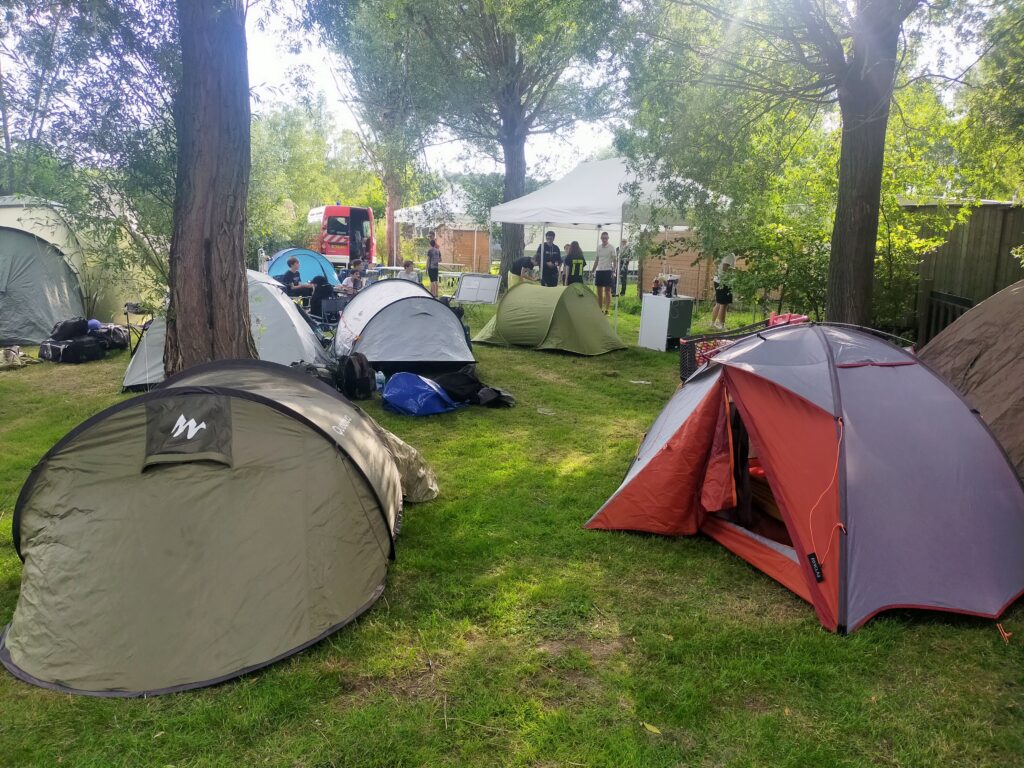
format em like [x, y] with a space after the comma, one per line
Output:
[399, 326]
[229, 518]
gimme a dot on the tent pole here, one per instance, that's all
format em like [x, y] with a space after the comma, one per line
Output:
[619, 289]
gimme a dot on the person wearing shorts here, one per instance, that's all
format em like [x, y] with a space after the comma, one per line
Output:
[604, 264]
[433, 266]
[723, 293]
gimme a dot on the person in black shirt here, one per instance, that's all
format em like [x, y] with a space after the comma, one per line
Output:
[292, 280]
[550, 259]
[574, 263]
[520, 271]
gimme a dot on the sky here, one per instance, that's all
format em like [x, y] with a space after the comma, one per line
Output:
[270, 64]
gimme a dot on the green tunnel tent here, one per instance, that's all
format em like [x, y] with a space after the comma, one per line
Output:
[233, 516]
[566, 318]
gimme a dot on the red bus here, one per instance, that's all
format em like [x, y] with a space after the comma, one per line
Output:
[344, 232]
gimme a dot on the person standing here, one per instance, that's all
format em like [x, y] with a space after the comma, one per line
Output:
[604, 264]
[433, 266]
[550, 259]
[574, 263]
[723, 292]
[624, 255]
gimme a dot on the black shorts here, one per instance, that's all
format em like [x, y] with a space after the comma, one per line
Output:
[569, 280]
[723, 295]
[432, 274]
[603, 279]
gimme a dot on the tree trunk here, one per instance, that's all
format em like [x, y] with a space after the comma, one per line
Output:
[864, 98]
[512, 242]
[208, 317]
[394, 245]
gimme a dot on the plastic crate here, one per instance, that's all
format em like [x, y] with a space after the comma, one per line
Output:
[694, 351]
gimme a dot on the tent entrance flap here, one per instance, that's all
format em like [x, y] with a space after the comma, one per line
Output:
[753, 506]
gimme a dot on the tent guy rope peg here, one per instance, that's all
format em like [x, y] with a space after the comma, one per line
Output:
[1004, 634]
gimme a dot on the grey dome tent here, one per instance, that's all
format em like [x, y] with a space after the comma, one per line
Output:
[399, 326]
[39, 279]
[233, 516]
[279, 330]
[566, 318]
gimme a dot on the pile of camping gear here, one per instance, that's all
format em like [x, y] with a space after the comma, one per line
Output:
[78, 340]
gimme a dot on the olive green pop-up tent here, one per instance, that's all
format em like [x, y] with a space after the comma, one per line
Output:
[229, 518]
[565, 318]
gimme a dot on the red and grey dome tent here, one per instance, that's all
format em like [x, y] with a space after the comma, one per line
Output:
[840, 466]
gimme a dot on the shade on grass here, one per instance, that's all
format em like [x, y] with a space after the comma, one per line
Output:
[510, 636]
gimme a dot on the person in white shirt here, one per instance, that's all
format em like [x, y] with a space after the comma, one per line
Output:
[604, 264]
[352, 284]
[409, 272]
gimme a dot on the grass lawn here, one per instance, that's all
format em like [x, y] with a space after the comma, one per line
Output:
[509, 636]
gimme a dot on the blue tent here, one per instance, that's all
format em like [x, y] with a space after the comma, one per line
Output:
[311, 264]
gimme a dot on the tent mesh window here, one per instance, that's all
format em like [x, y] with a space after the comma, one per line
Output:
[756, 509]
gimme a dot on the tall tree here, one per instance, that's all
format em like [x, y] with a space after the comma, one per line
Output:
[504, 70]
[771, 54]
[208, 317]
[385, 88]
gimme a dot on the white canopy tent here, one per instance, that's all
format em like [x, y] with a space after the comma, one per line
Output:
[595, 195]
[590, 196]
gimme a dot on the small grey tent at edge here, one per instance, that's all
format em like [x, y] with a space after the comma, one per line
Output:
[243, 474]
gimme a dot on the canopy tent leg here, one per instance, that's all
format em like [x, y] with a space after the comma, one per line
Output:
[619, 289]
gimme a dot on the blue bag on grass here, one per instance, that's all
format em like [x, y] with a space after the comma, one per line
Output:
[414, 395]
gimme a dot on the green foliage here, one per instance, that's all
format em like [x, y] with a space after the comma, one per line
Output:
[85, 95]
[299, 161]
[775, 163]
[993, 125]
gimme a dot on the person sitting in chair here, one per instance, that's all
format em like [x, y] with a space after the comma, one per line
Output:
[292, 280]
[352, 284]
[322, 289]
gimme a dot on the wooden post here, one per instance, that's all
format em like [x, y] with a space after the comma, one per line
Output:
[924, 292]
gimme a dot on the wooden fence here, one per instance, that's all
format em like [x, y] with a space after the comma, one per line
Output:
[974, 263]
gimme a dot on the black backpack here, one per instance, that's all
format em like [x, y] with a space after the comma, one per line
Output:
[70, 329]
[356, 379]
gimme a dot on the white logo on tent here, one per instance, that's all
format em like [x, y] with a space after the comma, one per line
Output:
[181, 425]
[342, 426]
